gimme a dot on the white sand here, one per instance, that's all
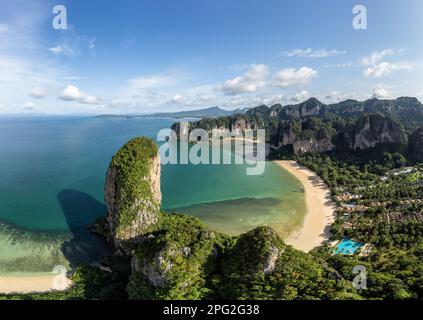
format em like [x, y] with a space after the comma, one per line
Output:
[26, 284]
[320, 209]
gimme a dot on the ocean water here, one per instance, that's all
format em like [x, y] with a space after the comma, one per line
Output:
[52, 172]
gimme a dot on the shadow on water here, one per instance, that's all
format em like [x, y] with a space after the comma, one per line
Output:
[80, 210]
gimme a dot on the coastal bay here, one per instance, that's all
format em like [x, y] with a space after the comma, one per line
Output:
[53, 180]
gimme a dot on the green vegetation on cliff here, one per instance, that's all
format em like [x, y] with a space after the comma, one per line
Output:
[176, 261]
[132, 164]
[201, 264]
[314, 127]
[260, 266]
[379, 202]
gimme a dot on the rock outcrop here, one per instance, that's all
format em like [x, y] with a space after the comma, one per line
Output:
[132, 191]
[312, 146]
[310, 107]
[241, 125]
[375, 129]
[178, 257]
[264, 247]
[289, 132]
[312, 126]
[176, 262]
[416, 144]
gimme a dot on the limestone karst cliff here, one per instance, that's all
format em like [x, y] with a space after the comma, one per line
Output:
[312, 126]
[176, 256]
[416, 144]
[375, 129]
[132, 191]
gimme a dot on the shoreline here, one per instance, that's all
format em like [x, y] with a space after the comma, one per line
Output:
[30, 284]
[320, 213]
[314, 230]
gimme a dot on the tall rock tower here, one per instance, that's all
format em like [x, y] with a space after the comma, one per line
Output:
[132, 191]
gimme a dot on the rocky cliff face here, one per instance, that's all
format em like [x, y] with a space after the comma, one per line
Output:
[348, 107]
[312, 126]
[275, 110]
[176, 262]
[416, 144]
[132, 191]
[178, 257]
[376, 129]
[262, 243]
[288, 133]
[241, 125]
[305, 137]
[312, 146]
[310, 107]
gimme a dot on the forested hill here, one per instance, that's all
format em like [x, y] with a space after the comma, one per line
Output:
[313, 126]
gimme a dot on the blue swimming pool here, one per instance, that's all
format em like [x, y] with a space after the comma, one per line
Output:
[347, 246]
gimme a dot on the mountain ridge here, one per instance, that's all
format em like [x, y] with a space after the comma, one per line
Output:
[312, 126]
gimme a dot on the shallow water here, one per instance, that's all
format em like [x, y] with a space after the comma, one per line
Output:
[51, 186]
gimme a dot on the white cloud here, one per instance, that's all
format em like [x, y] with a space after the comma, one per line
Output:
[291, 77]
[56, 50]
[201, 99]
[300, 96]
[377, 56]
[336, 96]
[271, 100]
[142, 83]
[24, 65]
[29, 106]
[85, 99]
[178, 98]
[92, 43]
[384, 69]
[310, 53]
[38, 92]
[72, 93]
[71, 43]
[377, 68]
[117, 103]
[381, 92]
[62, 49]
[252, 101]
[339, 65]
[4, 27]
[251, 81]
[19, 77]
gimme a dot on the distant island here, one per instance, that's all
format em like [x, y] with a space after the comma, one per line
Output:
[211, 112]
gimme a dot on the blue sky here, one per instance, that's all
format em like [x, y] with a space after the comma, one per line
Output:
[148, 56]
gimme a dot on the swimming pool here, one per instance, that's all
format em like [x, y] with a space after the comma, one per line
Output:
[347, 246]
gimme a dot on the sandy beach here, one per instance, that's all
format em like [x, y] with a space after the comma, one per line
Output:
[320, 209]
[25, 284]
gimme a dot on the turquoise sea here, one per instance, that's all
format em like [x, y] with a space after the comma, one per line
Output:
[52, 172]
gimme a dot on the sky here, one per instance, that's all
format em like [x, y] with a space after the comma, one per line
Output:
[143, 56]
